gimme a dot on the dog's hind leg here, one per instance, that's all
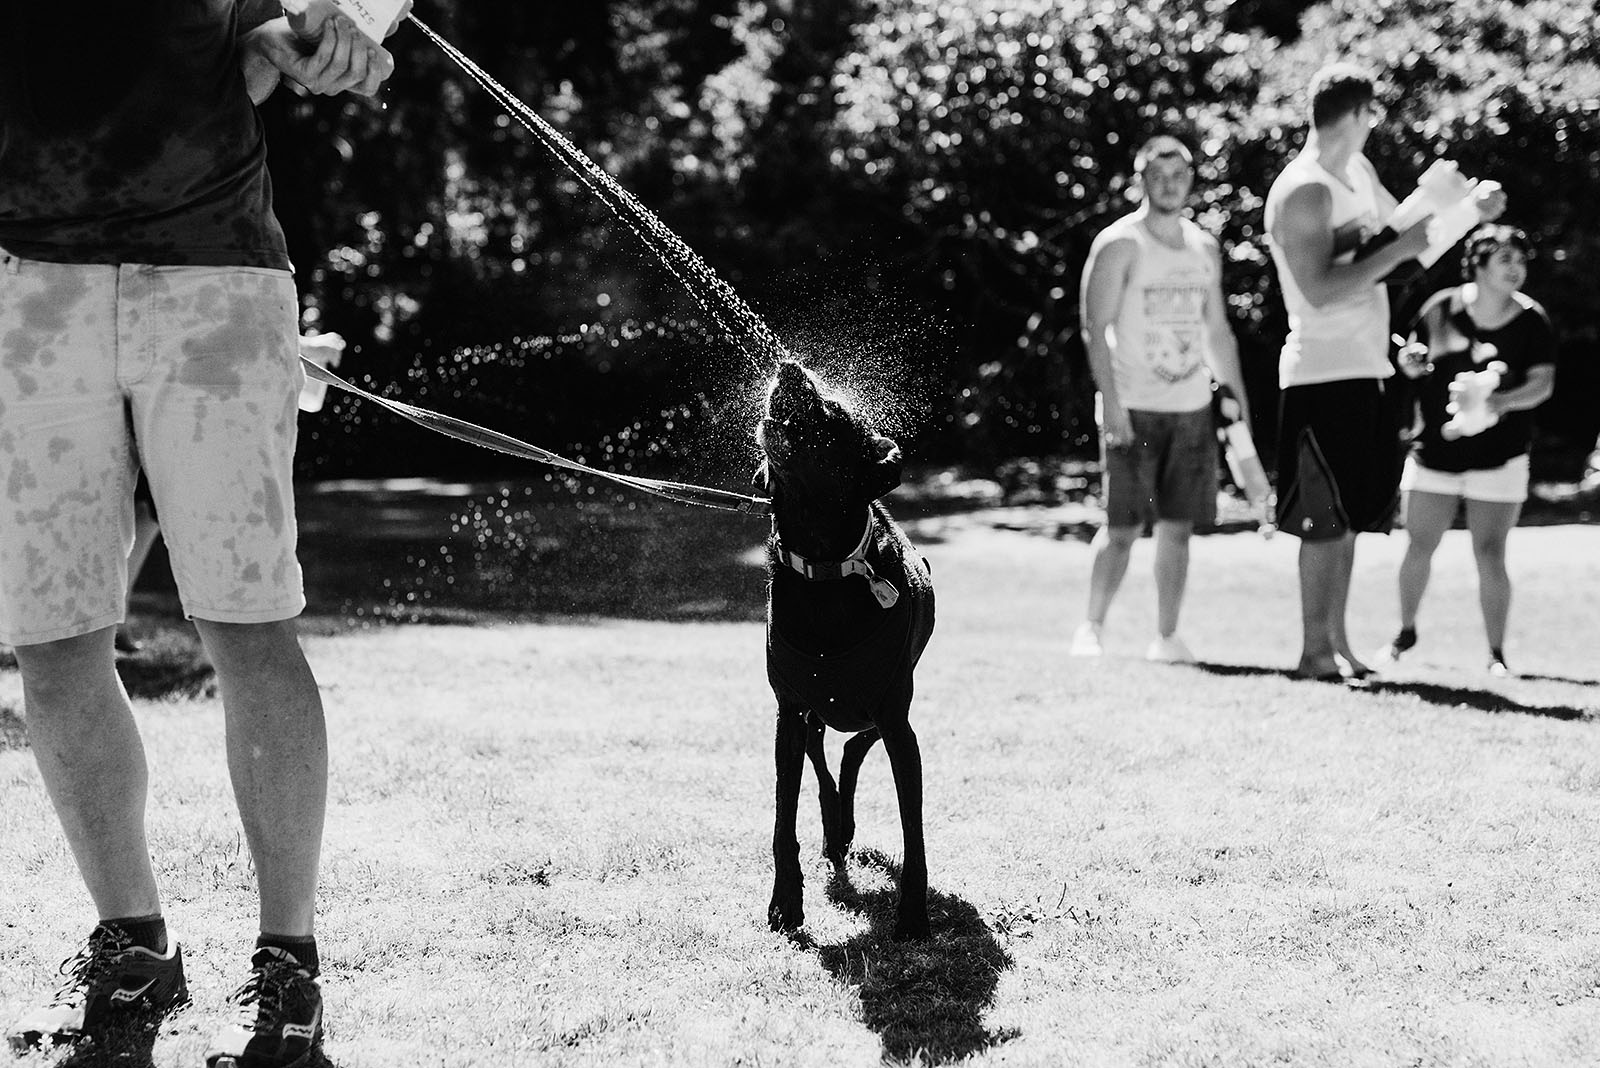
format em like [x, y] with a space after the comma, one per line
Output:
[905, 757]
[787, 910]
[827, 793]
[855, 751]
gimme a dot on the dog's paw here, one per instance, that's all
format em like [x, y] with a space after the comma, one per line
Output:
[786, 915]
[911, 928]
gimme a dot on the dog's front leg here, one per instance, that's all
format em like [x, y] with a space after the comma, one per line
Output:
[905, 757]
[855, 751]
[787, 911]
[833, 846]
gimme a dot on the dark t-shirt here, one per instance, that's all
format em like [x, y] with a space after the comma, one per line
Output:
[163, 163]
[1523, 343]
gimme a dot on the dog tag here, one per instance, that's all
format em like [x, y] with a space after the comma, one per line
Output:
[884, 591]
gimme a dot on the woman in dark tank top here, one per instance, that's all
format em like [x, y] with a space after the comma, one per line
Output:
[1488, 322]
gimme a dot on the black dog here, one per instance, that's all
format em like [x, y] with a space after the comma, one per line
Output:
[849, 612]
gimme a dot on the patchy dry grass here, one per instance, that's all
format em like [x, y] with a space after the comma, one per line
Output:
[548, 841]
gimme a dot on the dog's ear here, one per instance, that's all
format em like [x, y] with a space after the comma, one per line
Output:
[883, 472]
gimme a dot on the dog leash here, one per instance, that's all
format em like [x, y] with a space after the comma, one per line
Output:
[854, 564]
[473, 434]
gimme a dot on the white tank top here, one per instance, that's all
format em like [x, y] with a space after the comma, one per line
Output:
[1159, 340]
[1348, 338]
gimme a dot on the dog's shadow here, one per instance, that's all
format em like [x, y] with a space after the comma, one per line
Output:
[923, 998]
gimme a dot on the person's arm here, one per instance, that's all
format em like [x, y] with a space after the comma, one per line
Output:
[1304, 231]
[1534, 391]
[1222, 350]
[1415, 356]
[252, 13]
[1105, 279]
[1541, 380]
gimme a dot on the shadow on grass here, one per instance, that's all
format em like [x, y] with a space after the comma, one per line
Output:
[1431, 692]
[172, 664]
[121, 1049]
[13, 732]
[922, 998]
[135, 1048]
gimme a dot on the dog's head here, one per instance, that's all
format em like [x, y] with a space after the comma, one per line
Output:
[822, 461]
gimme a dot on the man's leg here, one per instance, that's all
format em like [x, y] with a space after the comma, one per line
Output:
[1325, 567]
[278, 759]
[1113, 547]
[1339, 599]
[83, 735]
[1172, 571]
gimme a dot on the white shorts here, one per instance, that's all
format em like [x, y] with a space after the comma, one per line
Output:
[1506, 484]
[190, 372]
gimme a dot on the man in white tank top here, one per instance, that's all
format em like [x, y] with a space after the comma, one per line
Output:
[1157, 334]
[1338, 447]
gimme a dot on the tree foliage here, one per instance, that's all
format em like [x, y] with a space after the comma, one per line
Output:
[961, 153]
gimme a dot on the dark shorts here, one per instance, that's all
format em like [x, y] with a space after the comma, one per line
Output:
[1168, 472]
[1338, 459]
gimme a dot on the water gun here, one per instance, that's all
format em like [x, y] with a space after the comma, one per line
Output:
[1239, 449]
[1468, 407]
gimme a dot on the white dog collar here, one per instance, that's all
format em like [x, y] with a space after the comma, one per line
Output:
[854, 564]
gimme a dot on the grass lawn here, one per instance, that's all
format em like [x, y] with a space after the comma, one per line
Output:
[549, 834]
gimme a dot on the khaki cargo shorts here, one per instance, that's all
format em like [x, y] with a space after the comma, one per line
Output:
[191, 373]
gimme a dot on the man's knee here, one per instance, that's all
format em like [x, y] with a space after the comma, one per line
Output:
[69, 672]
[1120, 538]
[1174, 530]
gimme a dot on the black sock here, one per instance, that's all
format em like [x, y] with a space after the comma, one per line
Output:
[1495, 654]
[150, 932]
[303, 948]
[1406, 638]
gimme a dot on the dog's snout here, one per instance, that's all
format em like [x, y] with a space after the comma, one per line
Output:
[794, 388]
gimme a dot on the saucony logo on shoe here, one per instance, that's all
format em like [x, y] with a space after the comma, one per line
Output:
[124, 995]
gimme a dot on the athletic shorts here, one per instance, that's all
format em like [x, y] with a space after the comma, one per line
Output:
[1338, 459]
[1506, 484]
[1169, 471]
[191, 373]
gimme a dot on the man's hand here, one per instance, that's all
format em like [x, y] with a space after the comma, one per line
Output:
[1413, 240]
[1412, 359]
[1490, 200]
[343, 61]
[1115, 425]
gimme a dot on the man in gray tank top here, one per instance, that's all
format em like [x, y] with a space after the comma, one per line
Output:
[1157, 334]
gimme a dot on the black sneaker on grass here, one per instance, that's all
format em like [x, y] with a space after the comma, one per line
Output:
[111, 985]
[280, 1016]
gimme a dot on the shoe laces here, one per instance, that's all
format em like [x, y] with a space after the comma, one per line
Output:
[261, 999]
[90, 964]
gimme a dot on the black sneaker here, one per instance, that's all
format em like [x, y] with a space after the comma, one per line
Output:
[111, 984]
[280, 1016]
[1403, 643]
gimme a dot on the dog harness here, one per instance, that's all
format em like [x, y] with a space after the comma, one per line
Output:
[847, 687]
[854, 564]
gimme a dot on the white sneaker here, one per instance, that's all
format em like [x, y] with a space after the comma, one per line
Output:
[1085, 641]
[1169, 650]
